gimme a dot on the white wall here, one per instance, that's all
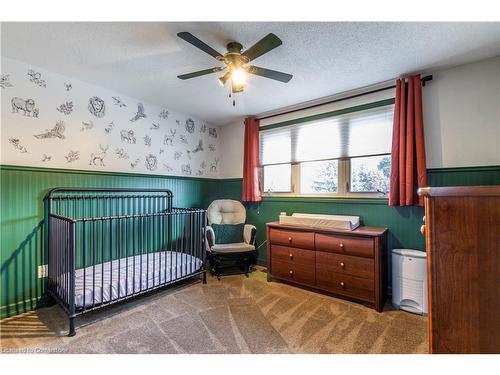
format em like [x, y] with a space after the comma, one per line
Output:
[82, 139]
[231, 143]
[462, 115]
[461, 119]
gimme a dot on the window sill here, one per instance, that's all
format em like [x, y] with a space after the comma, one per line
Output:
[382, 200]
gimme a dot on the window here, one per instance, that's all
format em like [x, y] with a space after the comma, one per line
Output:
[319, 177]
[278, 178]
[370, 174]
[345, 152]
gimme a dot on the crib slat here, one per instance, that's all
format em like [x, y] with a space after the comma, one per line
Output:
[102, 259]
[126, 246]
[111, 259]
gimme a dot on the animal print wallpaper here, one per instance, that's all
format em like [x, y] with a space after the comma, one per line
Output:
[48, 120]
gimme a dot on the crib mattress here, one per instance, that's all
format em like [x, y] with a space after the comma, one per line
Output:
[103, 283]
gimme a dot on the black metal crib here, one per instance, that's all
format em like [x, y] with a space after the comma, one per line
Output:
[108, 245]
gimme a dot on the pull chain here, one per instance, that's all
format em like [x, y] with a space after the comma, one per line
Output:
[232, 96]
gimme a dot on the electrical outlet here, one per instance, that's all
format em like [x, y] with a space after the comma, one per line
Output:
[43, 271]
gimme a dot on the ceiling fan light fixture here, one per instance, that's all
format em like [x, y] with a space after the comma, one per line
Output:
[235, 88]
[222, 80]
[239, 77]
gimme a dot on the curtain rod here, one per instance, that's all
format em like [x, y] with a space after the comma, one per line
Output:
[423, 79]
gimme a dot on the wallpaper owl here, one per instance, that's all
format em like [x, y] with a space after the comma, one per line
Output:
[49, 120]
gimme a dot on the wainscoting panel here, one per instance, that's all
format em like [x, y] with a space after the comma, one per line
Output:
[23, 189]
[22, 250]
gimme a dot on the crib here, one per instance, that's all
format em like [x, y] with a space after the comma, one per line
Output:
[109, 245]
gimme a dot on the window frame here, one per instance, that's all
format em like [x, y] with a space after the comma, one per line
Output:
[344, 164]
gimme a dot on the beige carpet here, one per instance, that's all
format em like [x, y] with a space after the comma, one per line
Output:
[234, 315]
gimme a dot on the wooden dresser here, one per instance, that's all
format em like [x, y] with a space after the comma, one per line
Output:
[346, 263]
[462, 232]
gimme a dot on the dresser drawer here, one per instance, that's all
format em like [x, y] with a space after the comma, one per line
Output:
[348, 285]
[345, 245]
[292, 238]
[299, 272]
[345, 264]
[292, 255]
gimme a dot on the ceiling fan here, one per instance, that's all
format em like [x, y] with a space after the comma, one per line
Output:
[235, 61]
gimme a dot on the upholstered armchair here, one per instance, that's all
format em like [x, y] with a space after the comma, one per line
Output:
[233, 257]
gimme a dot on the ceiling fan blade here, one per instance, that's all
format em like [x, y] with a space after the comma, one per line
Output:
[190, 38]
[266, 44]
[268, 73]
[201, 72]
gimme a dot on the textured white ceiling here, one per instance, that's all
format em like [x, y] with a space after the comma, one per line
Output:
[142, 60]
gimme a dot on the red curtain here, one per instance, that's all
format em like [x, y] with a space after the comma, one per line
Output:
[251, 187]
[408, 167]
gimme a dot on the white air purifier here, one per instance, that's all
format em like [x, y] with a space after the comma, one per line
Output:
[409, 280]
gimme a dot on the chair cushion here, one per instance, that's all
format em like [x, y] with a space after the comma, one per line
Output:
[239, 247]
[228, 233]
[226, 211]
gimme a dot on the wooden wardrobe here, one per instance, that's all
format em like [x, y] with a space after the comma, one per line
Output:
[462, 231]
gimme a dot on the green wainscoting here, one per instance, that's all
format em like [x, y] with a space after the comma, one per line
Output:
[464, 176]
[403, 222]
[22, 190]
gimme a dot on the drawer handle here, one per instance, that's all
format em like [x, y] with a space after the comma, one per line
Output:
[342, 283]
[341, 245]
[291, 273]
[289, 239]
[342, 264]
[291, 256]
